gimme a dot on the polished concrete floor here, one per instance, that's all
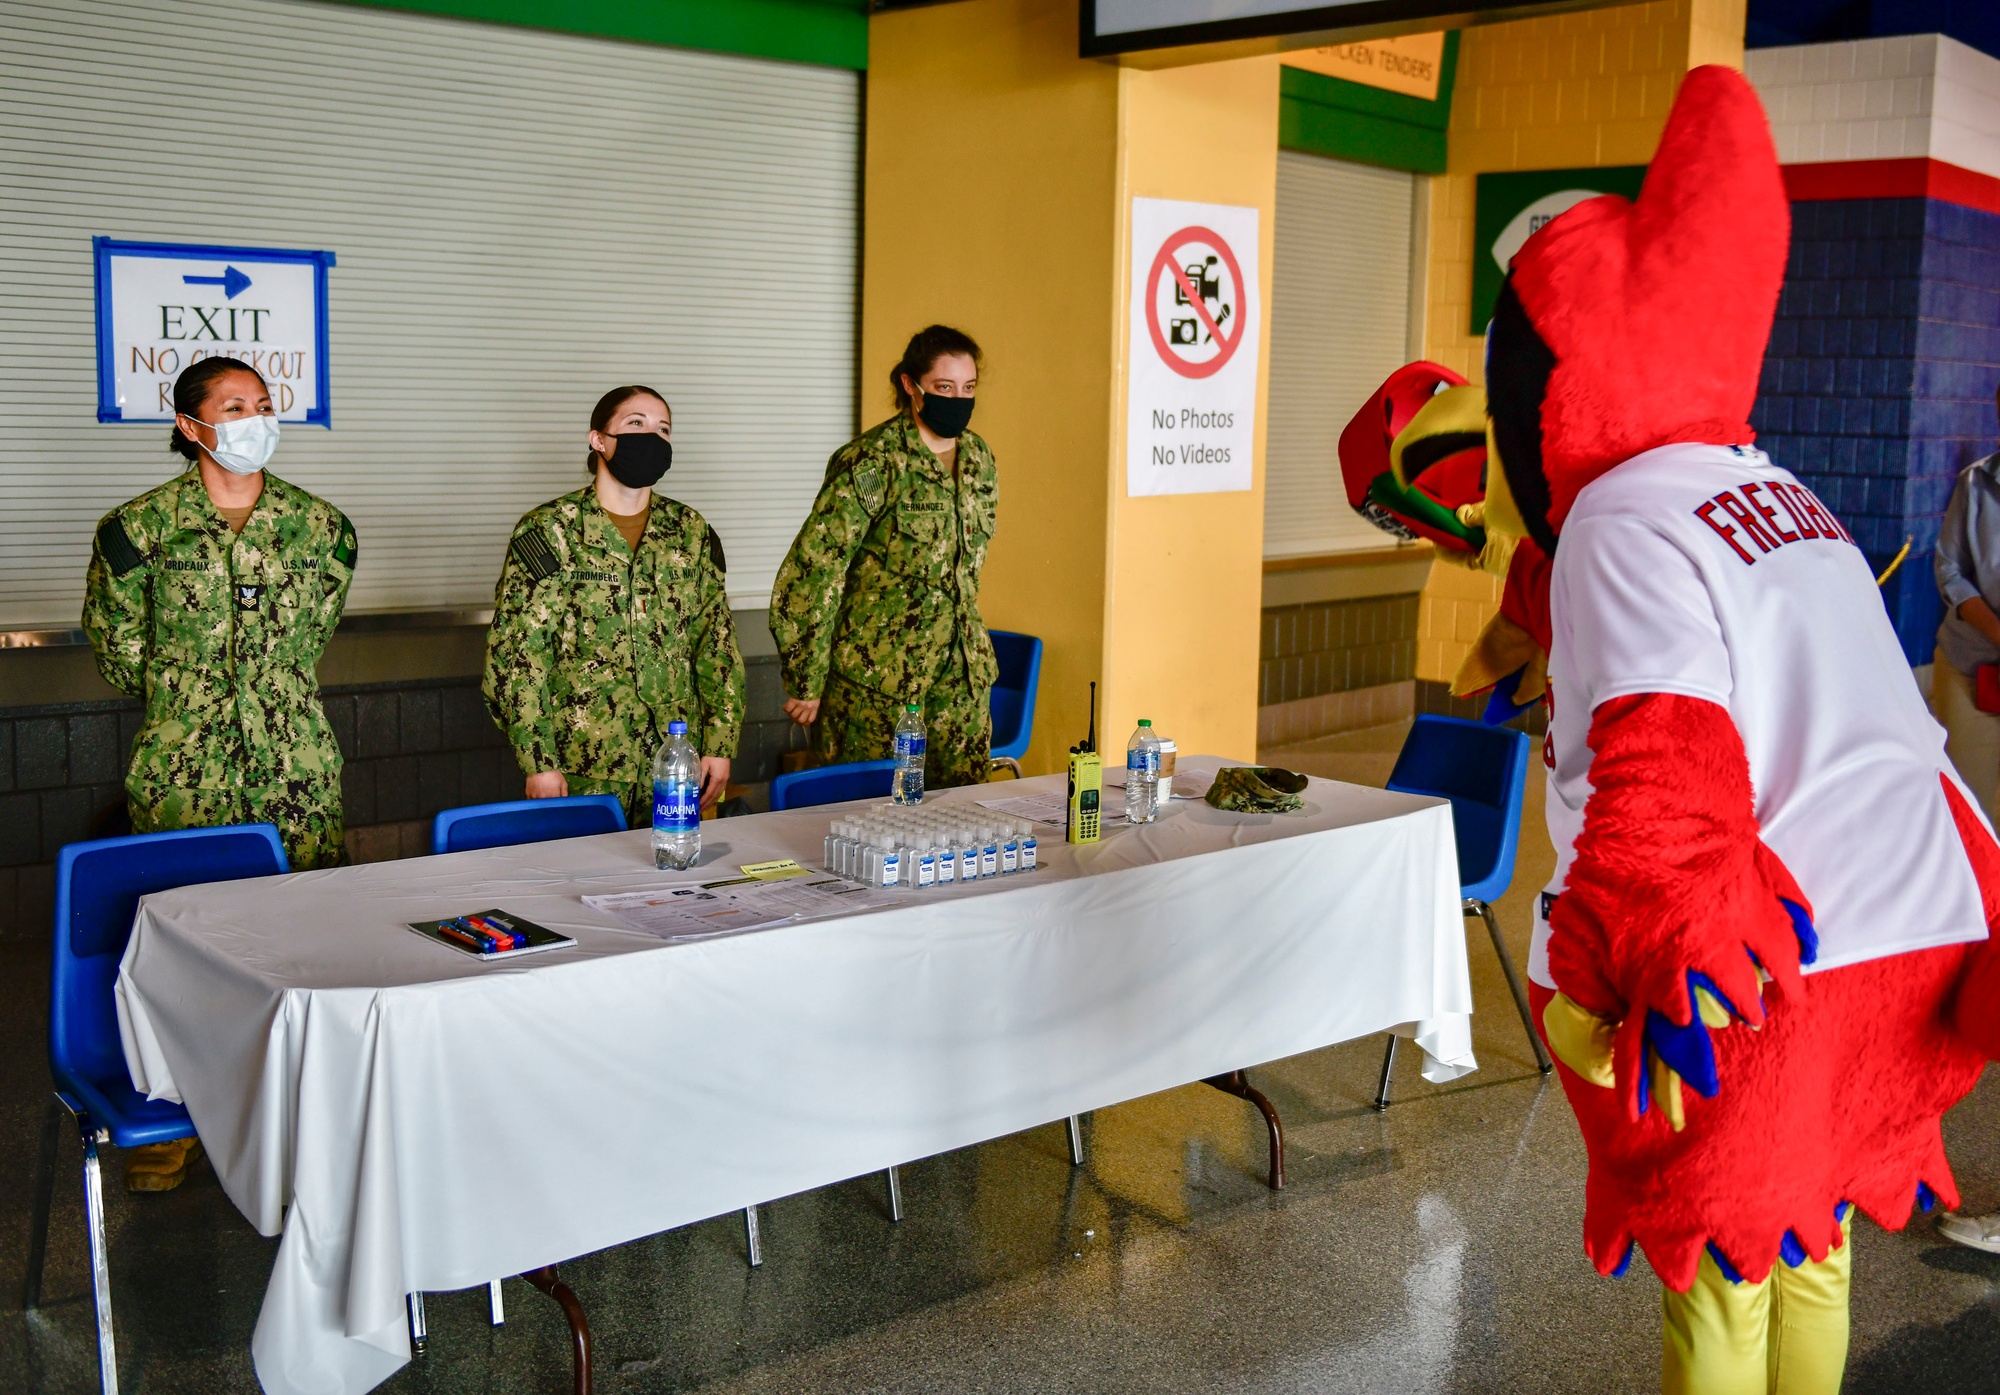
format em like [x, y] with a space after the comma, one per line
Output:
[1432, 1248]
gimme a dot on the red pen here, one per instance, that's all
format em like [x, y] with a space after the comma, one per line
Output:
[447, 928]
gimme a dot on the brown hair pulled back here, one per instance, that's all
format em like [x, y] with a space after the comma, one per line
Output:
[607, 408]
[925, 348]
[191, 394]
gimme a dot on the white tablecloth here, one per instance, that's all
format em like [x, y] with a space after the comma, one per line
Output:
[409, 1118]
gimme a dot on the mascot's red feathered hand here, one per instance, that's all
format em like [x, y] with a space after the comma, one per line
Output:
[1624, 327]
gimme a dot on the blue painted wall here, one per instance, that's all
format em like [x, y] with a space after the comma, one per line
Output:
[1776, 22]
[1878, 383]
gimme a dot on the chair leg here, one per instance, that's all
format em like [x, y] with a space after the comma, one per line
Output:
[100, 1254]
[895, 1195]
[1238, 1084]
[579, 1326]
[1485, 913]
[1388, 1069]
[1075, 1141]
[755, 1240]
[496, 1303]
[38, 1220]
[420, 1336]
[997, 762]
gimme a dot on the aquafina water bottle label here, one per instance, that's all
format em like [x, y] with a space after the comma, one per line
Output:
[676, 806]
[1137, 759]
[909, 745]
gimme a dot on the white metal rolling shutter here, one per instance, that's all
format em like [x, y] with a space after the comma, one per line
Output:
[522, 220]
[1340, 309]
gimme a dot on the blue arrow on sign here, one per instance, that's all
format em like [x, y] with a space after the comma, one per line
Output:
[232, 281]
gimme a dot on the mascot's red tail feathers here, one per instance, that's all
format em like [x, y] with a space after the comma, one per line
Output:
[1975, 1015]
[1657, 312]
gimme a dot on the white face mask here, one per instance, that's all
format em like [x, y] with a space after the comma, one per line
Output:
[243, 446]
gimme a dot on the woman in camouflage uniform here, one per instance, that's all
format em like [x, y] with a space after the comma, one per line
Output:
[877, 604]
[611, 620]
[211, 598]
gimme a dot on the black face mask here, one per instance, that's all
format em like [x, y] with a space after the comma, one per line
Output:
[643, 456]
[948, 416]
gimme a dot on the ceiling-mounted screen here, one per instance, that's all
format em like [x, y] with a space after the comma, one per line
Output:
[1130, 26]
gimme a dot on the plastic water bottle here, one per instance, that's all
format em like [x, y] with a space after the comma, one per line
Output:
[676, 801]
[909, 780]
[1142, 775]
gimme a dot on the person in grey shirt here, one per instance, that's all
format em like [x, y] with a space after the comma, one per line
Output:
[1968, 577]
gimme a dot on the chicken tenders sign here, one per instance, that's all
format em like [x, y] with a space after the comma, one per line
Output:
[1192, 381]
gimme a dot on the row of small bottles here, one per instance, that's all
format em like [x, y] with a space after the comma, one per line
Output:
[916, 848]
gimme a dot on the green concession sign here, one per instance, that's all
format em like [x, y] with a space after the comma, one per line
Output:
[1508, 207]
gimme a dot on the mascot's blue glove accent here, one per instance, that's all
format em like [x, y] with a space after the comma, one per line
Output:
[1802, 926]
[1926, 1198]
[1500, 705]
[1728, 1270]
[1689, 1051]
[1624, 1262]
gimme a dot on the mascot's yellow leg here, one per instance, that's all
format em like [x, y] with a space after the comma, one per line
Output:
[1809, 1323]
[1785, 1336]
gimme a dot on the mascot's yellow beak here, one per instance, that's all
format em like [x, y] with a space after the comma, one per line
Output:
[1499, 514]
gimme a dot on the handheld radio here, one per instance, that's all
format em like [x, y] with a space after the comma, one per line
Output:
[1086, 783]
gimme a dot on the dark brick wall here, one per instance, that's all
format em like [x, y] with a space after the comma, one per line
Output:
[410, 750]
[1335, 647]
[1878, 383]
[767, 732]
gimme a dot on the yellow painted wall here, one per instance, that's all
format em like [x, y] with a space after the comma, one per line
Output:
[1000, 169]
[1183, 610]
[1573, 91]
[989, 204]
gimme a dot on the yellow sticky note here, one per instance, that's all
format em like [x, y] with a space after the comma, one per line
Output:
[774, 871]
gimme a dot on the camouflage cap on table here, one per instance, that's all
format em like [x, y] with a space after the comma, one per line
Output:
[1257, 789]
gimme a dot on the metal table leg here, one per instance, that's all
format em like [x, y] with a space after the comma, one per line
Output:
[579, 1326]
[1075, 1141]
[895, 1195]
[1388, 1069]
[1238, 1084]
[420, 1336]
[750, 1234]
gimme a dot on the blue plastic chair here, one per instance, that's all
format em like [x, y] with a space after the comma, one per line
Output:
[514, 821]
[833, 784]
[1483, 771]
[98, 886]
[1013, 698]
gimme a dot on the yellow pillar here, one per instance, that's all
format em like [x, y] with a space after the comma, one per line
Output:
[1573, 91]
[1000, 170]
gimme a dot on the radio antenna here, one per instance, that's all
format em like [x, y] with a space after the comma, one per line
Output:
[1090, 742]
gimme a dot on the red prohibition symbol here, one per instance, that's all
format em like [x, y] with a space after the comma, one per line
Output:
[1168, 263]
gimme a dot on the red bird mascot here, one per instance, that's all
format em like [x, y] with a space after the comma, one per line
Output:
[1770, 887]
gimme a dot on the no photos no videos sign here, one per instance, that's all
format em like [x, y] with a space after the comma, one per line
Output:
[1192, 384]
